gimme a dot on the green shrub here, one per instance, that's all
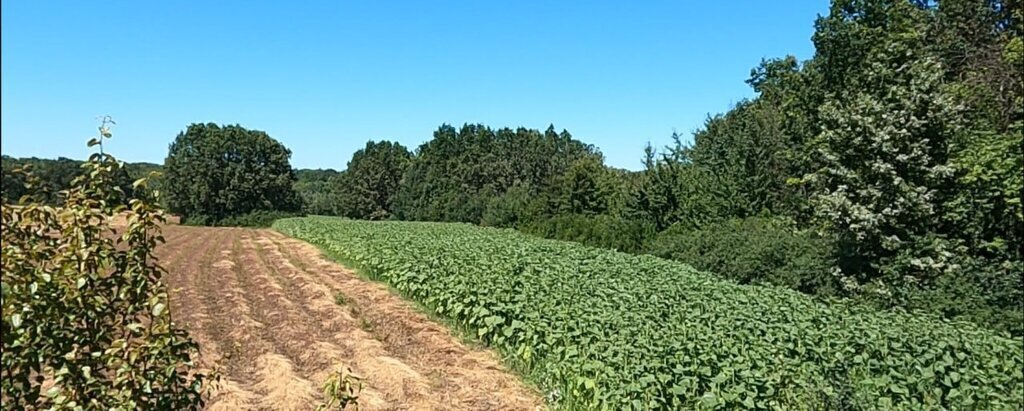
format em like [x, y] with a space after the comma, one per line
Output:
[601, 231]
[86, 323]
[258, 218]
[197, 220]
[753, 251]
[984, 291]
[513, 208]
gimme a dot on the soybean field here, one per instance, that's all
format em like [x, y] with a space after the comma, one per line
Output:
[594, 328]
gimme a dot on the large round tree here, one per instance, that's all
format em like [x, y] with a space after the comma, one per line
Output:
[214, 172]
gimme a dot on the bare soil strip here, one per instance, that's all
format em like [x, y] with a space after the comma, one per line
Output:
[275, 318]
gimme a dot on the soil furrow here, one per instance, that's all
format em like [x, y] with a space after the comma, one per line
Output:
[186, 279]
[472, 378]
[246, 338]
[267, 313]
[324, 319]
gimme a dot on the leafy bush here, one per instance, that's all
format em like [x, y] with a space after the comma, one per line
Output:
[753, 251]
[84, 310]
[258, 218]
[517, 206]
[983, 291]
[341, 388]
[601, 230]
[601, 329]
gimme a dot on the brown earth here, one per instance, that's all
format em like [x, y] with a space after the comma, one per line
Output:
[266, 312]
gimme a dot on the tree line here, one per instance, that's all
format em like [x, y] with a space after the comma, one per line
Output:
[57, 175]
[886, 169]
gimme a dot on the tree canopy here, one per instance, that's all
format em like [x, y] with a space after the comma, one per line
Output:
[316, 188]
[900, 142]
[457, 173]
[369, 184]
[56, 175]
[214, 172]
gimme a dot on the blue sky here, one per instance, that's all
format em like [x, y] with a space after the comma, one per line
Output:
[325, 77]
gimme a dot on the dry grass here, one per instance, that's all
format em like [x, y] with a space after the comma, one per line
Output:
[282, 389]
[263, 307]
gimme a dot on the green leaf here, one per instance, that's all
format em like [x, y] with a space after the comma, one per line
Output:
[720, 378]
[158, 309]
[709, 399]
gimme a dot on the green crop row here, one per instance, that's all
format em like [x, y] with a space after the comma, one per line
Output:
[601, 329]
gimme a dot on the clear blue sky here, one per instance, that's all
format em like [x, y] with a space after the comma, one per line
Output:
[325, 77]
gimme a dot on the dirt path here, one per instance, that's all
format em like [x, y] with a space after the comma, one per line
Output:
[265, 309]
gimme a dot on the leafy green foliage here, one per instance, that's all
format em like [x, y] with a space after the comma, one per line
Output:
[987, 206]
[749, 151]
[257, 218]
[901, 140]
[597, 328]
[214, 172]
[55, 176]
[884, 151]
[515, 207]
[983, 290]
[456, 175]
[594, 230]
[367, 188]
[675, 191]
[754, 251]
[582, 189]
[86, 323]
[316, 188]
[341, 389]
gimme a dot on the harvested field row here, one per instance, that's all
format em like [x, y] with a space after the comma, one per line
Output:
[275, 318]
